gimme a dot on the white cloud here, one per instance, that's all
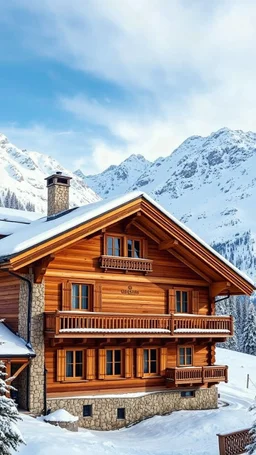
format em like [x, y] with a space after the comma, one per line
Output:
[194, 60]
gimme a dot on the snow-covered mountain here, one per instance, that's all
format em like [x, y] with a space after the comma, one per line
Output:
[116, 180]
[23, 172]
[209, 183]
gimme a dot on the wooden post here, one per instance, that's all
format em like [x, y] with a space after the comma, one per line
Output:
[247, 381]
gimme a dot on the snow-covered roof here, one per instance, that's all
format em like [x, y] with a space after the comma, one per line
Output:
[42, 229]
[12, 345]
[12, 220]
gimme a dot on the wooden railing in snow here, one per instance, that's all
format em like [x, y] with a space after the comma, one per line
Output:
[197, 375]
[234, 443]
[65, 323]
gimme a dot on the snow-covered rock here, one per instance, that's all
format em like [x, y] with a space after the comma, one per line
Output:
[116, 180]
[23, 172]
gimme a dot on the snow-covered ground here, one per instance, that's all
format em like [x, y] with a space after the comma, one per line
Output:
[183, 432]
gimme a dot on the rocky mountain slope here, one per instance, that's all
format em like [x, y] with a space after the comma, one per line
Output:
[116, 180]
[22, 176]
[209, 183]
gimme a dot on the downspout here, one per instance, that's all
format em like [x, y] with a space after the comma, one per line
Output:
[28, 344]
[224, 298]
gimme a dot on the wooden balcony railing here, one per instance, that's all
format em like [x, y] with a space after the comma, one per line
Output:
[124, 263]
[182, 323]
[197, 375]
[67, 323]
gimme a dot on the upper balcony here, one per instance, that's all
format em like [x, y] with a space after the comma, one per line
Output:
[196, 375]
[126, 264]
[77, 324]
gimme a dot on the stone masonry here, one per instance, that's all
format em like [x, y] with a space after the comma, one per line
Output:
[36, 369]
[137, 408]
[58, 199]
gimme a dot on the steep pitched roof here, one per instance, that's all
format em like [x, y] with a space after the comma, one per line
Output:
[43, 229]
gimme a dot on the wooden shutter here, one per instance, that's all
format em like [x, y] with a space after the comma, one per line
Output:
[139, 362]
[128, 362]
[66, 296]
[61, 360]
[102, 363]
[163, 360]
[90, 363]
[171, 301]
[195, 302]
[97, 297]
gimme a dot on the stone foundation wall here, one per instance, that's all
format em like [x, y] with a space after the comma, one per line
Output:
[104, 410]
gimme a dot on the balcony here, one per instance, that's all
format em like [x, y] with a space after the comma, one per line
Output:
[196, 375]
[126, 264]
[76, 324]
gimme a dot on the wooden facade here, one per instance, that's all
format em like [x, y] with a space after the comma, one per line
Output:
[129, 304]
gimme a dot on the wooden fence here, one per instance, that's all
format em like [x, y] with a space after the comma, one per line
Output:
[234, 443]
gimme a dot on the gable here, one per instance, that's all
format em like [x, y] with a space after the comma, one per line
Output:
[137, 211]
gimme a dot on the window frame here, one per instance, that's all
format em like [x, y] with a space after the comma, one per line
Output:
[74, 378]
[122, 359]
[89, 407]
[191, 394]
[134, 239]
[185, 356]
[90, 295]
[150, 374]
[124, 245]
[189, 300]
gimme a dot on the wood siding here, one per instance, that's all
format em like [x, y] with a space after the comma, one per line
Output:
[9, 300]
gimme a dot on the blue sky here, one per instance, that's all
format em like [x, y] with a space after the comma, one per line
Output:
[92, 81]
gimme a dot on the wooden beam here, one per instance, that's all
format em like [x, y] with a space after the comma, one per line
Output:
[16, 374]
[130, 221]
[191, 266]
[147, 232]
[41, 267]
[218, 287]
[166, 244]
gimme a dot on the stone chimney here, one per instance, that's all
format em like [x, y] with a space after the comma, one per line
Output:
[58, 193]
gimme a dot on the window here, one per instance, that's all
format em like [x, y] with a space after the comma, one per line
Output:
[87, 410]
[121, 413]
[81, 296]
[187, 394]
[74, 364]
[150, 361]
[134, 248]
[113, 362]
[182, 301]
[185, 356]
[113, 246]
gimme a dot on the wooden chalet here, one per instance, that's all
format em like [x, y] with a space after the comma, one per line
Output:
[115, 297]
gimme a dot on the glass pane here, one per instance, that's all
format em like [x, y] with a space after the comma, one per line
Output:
[146, 358]
[153, 354]
[109, 246]
[182, 356]
[79, 370]
[69, 364]
[129, 245]
[79, 356]
[109, 356]
[117, 368]
[117, 356]
[189, 356]
[153, 366]
[184, 302]
[117, 243]
[178, 303]
[136, 248]
[109, 369]
[75, 296]
[85, 297]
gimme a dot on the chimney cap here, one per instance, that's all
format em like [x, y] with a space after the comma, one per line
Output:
[58, 179]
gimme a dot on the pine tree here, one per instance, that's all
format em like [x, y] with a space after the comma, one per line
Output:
[249, 337]
[10, 437]
[251, 448]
